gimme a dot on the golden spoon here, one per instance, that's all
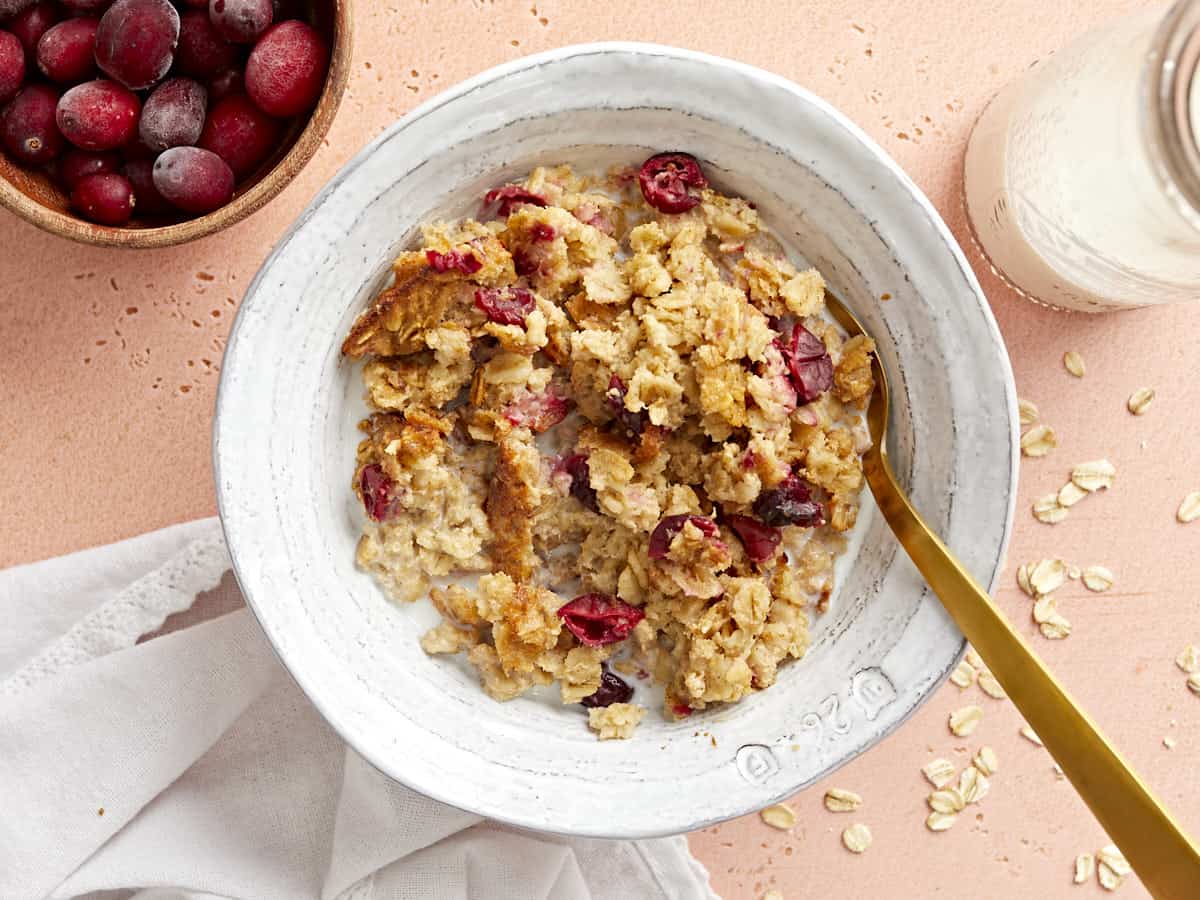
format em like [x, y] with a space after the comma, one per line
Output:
[1153, 843]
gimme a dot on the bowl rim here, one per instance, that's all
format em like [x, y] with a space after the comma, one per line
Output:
[264, 190]
[925, 207]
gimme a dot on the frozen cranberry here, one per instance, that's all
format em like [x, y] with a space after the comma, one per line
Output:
[174, 114]
[99, 115]
[506, 305]
[455, 260]
[150, 202]
[136, 41]
[66, 52]
[196, 4]
[613, 689]
[789, 503]
[377, 493]
[241, 21]
[31, 24]
[225, 84]
[576, 466]
[810, 364]
[634, 423]
[240, 133]
[12, 7]
[12, 66]
[761, 541]
[667, 179]
[196, 180]
[202, 52]
[107, 198]
[27, 126]
[77, 164]
[664, 532]
[86, 6]
[598, 619]
[286, 69]
[539, 412]
[511, 196]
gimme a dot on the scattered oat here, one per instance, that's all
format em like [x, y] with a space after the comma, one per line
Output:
[1045, 609]
[1193, 683]
[1038, 440]
[1085, 866]
[990, 686]
[1097, 578]
[1189, 659]
[1028, 412]
[1048, 510]
[1023, 579]
[779, 816]
[1112, 868]
[1189, 509]
[1030, 735]
[857, 838]
[1073, 363]
[1047, 576]
[1140, 400]
[1095, 475]
[963, 674]
[1169, 742]
[940, 821]
[841, 800]
[986, 761]
[973, 785]
[939, 772]
[974, 658]
[1074, 573]
[1056, 628]
[772, 895]
[1070, 494]
[964, 721]
[949, 801]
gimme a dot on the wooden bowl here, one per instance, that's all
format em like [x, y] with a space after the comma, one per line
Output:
[37, 198]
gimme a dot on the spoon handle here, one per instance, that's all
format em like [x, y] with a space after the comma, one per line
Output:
[1155, 845]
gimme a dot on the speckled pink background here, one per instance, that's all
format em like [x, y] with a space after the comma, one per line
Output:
[109, 363]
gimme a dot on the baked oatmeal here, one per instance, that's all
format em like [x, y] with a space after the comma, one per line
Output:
[616, 403]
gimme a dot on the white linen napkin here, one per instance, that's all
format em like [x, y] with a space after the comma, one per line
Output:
[190, 767]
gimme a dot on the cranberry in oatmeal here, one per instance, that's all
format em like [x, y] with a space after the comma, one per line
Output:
[617, 402]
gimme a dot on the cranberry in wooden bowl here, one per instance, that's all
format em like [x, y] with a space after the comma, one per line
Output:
[225, 71]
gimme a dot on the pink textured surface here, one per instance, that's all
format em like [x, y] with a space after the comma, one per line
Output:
[110, 364]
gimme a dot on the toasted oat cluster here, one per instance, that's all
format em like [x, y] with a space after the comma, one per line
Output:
[616, 403]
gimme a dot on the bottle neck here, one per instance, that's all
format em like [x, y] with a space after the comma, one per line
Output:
[1172, 99]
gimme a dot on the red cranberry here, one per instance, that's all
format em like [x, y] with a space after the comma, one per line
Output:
[666, 180]
[195, 180]
[538, 412]
[599, 619]
[174, 114]
[455, 260]
[581, 488]
[377, 490]
[136, 41]
[523, 262]
[505, 306]
[27, 126]
[202, 52]
[240, 133]
[761, 541]
[98, 115]
[196, 4]
[149, 201]
[225, 84]
[613, 689]
[30, 25]
[107, 199]
[85, 6]
[286, 69]
[12, 66]
[542, 232]
[634, 423]
[790, 503]
[810, 364]
[67, 52]
[241, 21]
[511, 196]
[682, 710]
[664, 532]
[12, 7]
[77, 164]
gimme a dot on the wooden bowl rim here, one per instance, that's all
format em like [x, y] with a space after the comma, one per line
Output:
[240, 207]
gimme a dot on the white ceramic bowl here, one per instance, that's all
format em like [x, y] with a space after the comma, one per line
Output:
[285, 437]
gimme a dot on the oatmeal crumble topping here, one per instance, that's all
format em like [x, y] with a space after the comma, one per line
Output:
[614, 408]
